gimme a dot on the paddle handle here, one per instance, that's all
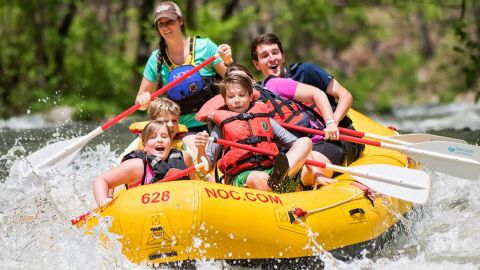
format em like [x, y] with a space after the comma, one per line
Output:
[321, 132]
[351, 132]
[159, 92]
[77, 219]
[362, 134]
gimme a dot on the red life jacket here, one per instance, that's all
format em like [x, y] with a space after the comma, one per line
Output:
[253, 128]
[289, 111]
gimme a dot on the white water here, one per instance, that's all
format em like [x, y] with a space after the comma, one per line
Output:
[35, 212]
[423, 118]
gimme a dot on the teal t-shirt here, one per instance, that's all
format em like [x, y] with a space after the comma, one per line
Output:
[204, 49]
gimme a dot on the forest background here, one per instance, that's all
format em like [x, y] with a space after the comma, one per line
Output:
[90, 54]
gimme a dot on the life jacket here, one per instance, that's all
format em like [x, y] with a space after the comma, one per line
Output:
[294, 72]
[252, 128]
[159, 167]
[284, 110]
[192, 92]
[137, 128]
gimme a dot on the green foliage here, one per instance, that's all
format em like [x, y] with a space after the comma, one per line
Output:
[211, 25]
[363, 85]
[378, 87]
[97, 69]
[96, 64]
[468, 60]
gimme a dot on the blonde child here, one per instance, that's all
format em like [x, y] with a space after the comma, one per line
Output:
[163, 110]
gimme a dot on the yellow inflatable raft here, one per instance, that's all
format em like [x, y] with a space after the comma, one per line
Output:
[189, 220]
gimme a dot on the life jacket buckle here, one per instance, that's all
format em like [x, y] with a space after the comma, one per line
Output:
[244, 116]
[193, 88]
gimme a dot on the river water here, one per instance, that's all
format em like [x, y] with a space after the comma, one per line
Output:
[35, 211]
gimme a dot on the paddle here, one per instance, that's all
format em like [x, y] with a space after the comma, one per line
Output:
[406, 184]
[402, 139]
[452, 158]
[172, 175]
[61, 153]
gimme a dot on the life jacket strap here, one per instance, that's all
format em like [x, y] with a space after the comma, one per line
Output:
[191, 55]
[254, 140]
[243, 116]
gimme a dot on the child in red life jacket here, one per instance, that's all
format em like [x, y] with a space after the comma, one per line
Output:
[248, 122]
[289, 98]
[144, 167]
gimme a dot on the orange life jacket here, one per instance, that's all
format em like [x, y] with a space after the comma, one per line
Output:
[252, 128]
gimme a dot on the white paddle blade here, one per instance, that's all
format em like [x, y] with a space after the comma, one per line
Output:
[56, 155]
[467, 170]
[422, 137]
[403, 193]
[467, 151]
[406, 184]
[462, 160]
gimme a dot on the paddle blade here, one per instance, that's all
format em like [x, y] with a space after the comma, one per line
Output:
[403, 193]
[56, 155]
[406, 184]
[422, 137]
[462, 160]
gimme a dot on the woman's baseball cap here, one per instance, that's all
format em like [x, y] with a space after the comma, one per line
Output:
[168, 10]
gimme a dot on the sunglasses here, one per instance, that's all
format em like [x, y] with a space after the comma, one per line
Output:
[166, 23]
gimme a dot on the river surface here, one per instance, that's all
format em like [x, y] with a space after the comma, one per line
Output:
[35, 212]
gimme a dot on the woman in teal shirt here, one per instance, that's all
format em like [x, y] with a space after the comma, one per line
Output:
[177, 52]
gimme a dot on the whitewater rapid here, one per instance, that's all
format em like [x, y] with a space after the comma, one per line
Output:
[35, 212]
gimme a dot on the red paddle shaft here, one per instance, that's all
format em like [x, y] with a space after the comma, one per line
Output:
[160, 91]
[341, 137]
[262, 151]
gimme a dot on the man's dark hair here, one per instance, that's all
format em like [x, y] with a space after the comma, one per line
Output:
[267, 38]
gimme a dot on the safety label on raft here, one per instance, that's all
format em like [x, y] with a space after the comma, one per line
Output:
[218, 193]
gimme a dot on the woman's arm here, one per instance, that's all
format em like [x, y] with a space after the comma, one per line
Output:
[143, 96]
[127, 172]
[225, 52]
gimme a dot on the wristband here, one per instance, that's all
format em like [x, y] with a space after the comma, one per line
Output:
[229, 64]
[330, 122]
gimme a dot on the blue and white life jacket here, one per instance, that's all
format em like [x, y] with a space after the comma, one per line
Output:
[192, 92]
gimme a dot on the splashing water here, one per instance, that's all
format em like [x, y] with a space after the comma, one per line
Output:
[35, 212]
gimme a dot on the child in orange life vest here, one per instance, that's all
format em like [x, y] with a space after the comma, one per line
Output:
[245, 121]
[158, 158]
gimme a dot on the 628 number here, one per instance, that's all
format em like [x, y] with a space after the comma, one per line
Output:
[155, 197]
